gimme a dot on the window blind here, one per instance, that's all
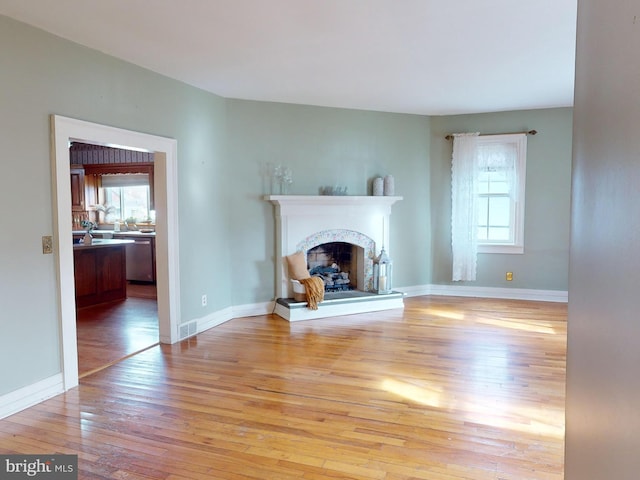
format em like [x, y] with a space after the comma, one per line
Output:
[125, 180]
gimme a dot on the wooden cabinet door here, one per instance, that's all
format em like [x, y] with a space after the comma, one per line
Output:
[112, 273]
[100, 275]
[77, 189]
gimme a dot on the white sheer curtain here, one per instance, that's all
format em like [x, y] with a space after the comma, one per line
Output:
[501, 156]
[464, 208]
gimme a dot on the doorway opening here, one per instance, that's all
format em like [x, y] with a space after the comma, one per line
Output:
[66, 130]
[112, 192]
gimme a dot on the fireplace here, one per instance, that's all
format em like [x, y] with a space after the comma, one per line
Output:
[346, 230]
[337, 264]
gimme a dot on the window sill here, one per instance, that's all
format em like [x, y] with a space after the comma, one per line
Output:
[502, 249]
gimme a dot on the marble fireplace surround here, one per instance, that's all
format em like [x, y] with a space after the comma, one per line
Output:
[305, 221]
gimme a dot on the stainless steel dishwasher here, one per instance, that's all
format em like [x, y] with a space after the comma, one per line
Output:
[140, 259]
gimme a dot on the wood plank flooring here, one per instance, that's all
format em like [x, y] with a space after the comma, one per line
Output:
[109, 332]
[448, 389]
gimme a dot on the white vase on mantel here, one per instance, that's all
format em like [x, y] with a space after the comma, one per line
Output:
[378, 187]
[389, 186]
[88, 239]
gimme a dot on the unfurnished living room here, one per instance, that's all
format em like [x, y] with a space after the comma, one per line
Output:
[303, 239]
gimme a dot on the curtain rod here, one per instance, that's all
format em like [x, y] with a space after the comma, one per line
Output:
[530, 132]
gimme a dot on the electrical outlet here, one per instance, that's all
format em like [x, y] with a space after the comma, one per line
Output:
[47, 245]
[204, 300]
[509, 276]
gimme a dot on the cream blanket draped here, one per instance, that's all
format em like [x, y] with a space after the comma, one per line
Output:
[314, 287]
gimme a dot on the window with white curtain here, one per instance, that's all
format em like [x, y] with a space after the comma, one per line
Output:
[487, 192]
[501, 193]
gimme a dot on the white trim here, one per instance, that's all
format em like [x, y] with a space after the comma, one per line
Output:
[415, 290]
[221, 316]
[267, 308]
[214, 319]
[30, 395]
[253, 309]
[64, 130]
[501, 249]
[561, 296]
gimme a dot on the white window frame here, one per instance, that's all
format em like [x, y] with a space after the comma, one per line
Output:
[516, 244]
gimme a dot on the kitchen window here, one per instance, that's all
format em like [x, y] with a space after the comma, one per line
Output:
[128, 196]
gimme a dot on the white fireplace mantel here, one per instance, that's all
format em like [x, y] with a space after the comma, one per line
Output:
[295, 202]
[299, 217]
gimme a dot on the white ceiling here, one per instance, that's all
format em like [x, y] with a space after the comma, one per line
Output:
[431, 57]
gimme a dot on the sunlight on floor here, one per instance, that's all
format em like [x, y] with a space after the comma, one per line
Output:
[484, 409]
[436, 312]
[518, 325]
[422, 395]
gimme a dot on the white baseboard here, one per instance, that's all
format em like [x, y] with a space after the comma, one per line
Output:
[214, 319]
[253, 309]
[221, 316]
[30, 395]
[560, 296]
[415, 291]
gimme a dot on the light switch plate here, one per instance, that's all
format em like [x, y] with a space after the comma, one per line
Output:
[47, 245]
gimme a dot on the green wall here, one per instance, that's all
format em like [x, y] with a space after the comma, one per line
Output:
[324, 146]
[43, 75]
[227, 241]
[544, 265]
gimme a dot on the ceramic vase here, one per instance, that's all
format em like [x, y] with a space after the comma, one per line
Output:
[389, 186]
[378, 187]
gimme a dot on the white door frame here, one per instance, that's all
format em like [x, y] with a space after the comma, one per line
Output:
[65, 130]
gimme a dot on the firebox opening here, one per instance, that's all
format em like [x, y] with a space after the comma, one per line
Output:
[336, 263]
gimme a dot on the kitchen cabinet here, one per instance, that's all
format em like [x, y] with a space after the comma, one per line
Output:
[100, 272]
[77, 188]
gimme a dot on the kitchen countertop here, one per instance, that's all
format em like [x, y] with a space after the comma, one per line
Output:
[101, 243]
[135, 233]
[121, 233]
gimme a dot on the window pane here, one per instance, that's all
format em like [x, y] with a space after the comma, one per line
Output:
[136, 204]
[112, 198]
[498, 182]
[128, 203]
[499, 187]
[499, 234]
[483, 211]
[499, 211]
[483, 182]
[482, 233]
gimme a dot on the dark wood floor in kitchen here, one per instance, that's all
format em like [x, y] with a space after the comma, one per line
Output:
[109, 332]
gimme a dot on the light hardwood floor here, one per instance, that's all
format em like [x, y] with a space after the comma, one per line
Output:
[448, 389]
